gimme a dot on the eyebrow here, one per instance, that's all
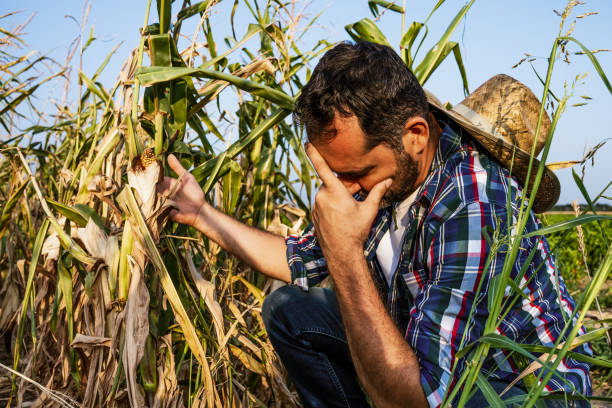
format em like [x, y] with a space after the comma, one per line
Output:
[354, 173]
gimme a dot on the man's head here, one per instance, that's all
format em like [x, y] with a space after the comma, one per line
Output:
[367, 114]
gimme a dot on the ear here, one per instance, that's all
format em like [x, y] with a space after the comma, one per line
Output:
[416, 135]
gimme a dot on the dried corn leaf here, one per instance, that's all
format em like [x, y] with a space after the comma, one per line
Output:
[83, 341]
[136, 331]
[249, 361]
[126, 198]
[168, 394]
[207, 291]
[563, 164]
[535, 365]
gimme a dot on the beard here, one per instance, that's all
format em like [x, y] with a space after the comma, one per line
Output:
[404, 179]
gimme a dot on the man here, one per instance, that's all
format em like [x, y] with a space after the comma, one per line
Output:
[407, 190]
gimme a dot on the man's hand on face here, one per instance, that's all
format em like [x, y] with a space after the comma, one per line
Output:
[342, 223]
[188, 196]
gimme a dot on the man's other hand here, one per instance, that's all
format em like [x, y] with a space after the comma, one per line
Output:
[342, 223]
[188, 197]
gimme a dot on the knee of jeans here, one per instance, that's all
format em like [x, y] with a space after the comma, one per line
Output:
[277, 305]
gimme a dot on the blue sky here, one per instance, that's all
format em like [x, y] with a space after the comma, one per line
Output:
[494, 37]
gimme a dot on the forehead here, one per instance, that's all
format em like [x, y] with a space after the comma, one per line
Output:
[341, 142]
[343, 146]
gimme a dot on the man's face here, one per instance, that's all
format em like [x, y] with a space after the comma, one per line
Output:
[347, 156]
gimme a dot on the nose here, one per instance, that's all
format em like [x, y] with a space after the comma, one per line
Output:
[352, 186]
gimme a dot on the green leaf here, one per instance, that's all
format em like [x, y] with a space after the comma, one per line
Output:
[489, 393]
[387, 5]
[93, 88]
[90, 40]
[459, 61]
[27, 296]
[408, 40]
[10, 205]
[494, 286]
[252, 30]
[432, 59]
[563, 225]
[87, 212]
[424, 70]
[587, 197]
[191, 11]
[164, 9]
[277, 116]
[214, 175]
[366, 30]
[68, 212]
[153, 75]
[65, 281]
[160, 50]
[594, 61]
[433, 10]
[232, 184]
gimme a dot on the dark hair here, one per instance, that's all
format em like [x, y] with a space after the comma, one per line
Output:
[369, 81]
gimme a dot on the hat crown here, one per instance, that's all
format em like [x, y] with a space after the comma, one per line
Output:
[502, 115]
[512, 111]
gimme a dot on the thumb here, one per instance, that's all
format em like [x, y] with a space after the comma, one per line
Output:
[377, 192]
[176, 165]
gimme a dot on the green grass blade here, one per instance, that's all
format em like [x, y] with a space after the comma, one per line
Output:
[489, 393]
[563, 225]
[594, 61]
[587, 197]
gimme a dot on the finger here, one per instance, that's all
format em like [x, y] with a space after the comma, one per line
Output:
[377, 192]
[321, 167]
[176, 165]
[164, 186]
[353, 188]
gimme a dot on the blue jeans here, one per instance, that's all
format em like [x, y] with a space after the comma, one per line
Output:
[307, 333]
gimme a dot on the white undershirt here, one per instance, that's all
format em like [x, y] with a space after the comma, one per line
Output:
[390, 245]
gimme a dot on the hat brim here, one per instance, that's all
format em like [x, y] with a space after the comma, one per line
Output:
[509, 156]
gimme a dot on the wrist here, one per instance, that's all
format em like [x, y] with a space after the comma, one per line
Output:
[347, 252]
[345, 264]
[202, 214]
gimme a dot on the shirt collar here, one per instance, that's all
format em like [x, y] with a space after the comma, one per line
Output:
[449, 143]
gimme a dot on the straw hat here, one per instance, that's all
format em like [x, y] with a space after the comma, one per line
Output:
[502, 115]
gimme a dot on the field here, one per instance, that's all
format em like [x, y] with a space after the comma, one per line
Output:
[570, 261]
[105, 303]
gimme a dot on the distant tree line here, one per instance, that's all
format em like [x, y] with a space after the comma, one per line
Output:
[568, 207]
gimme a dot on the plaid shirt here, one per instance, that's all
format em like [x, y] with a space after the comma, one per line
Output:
[442, 263]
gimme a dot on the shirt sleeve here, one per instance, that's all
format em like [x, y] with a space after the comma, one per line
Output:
[456, 261]
[305, 259]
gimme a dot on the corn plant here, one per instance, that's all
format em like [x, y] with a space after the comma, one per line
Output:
[116, 306]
